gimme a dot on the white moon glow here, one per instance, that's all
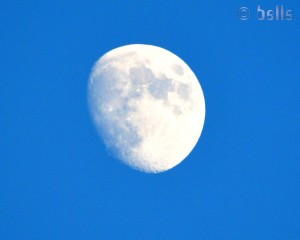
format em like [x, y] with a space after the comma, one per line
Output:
[147, 105]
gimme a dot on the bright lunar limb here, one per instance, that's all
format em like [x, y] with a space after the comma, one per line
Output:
[147, 105]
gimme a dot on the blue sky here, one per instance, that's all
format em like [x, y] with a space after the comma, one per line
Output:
[240, 182]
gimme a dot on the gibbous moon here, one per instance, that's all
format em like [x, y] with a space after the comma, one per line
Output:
[147, 105]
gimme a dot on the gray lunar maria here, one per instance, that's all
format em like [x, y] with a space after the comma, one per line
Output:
[147, 105]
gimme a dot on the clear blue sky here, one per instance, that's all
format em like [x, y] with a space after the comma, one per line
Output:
[242, 181]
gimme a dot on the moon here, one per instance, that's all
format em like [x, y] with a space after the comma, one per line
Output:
[147, 105]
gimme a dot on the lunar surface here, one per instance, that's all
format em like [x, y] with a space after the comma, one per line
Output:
[147, 105]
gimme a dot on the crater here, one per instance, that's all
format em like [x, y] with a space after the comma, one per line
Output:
[140, 75]
[184, 91]
[176, 110]
[160, 87]
[177, 69]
